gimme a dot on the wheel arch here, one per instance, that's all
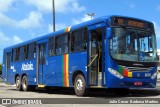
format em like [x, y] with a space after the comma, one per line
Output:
[75, 74]
[17, 75]
[24, 74]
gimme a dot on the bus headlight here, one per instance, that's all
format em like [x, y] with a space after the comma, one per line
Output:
[154, 75]
[115, 73]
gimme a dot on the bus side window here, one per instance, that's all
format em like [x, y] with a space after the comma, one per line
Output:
[17, 53]
[26, 51]
[61, 44]
[22, 54]
[14, 55]
[78, 40]
[8, 54]
[51, 46]
[31, 50]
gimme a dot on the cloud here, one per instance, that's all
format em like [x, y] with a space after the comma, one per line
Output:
[3, 38]
[6, 21]
[9, 41]
[75, 7]
[61, 6]
[58, 27]
[83, 19]
[157, 29]
[16, 39]
[32, 21]
[6, 5]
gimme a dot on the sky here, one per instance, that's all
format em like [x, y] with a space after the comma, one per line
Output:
[22, 20]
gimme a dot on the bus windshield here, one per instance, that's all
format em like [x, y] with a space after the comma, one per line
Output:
[131, 44]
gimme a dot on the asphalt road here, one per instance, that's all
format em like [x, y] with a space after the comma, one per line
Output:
[95, 95]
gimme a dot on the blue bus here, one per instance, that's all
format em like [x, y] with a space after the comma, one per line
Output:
[112, 52]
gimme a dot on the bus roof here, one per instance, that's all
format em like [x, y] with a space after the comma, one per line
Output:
[74, 27]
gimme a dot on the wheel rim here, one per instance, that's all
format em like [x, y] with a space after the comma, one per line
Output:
[79, 84]
[17, 83]
[24, 83]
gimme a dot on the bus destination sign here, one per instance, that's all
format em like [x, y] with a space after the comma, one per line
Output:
[129, 22]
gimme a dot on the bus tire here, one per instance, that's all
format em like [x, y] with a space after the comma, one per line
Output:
[80, 85]
[25, 86]
[18, 84]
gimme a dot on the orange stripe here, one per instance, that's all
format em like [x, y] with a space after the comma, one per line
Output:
[66, 29]
[64, 70]
[69, 28]
[67, 73]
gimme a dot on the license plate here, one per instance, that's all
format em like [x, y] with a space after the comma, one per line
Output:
[137, 83]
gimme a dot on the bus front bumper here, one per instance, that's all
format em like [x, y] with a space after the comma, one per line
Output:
[114, 82]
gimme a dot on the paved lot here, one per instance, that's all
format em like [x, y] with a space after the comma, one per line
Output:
[7, 91]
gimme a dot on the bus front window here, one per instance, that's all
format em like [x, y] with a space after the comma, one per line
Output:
[133, 45]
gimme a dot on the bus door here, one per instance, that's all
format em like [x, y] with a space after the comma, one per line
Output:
[95, 56]
[41, 62]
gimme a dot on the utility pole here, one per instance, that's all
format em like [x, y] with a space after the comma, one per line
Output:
[91, 15]
[53, 7]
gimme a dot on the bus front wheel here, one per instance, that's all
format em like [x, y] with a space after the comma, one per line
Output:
[18, 84]
[25, 85]
[80, 85]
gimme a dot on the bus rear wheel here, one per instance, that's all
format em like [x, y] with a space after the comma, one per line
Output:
[18, 84]
[80, 85]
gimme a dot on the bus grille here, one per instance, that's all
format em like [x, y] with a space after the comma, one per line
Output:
[134, 69]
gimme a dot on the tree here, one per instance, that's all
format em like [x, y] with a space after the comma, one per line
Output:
[0, 69]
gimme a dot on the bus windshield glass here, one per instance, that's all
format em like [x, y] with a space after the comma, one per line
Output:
[131, 44]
